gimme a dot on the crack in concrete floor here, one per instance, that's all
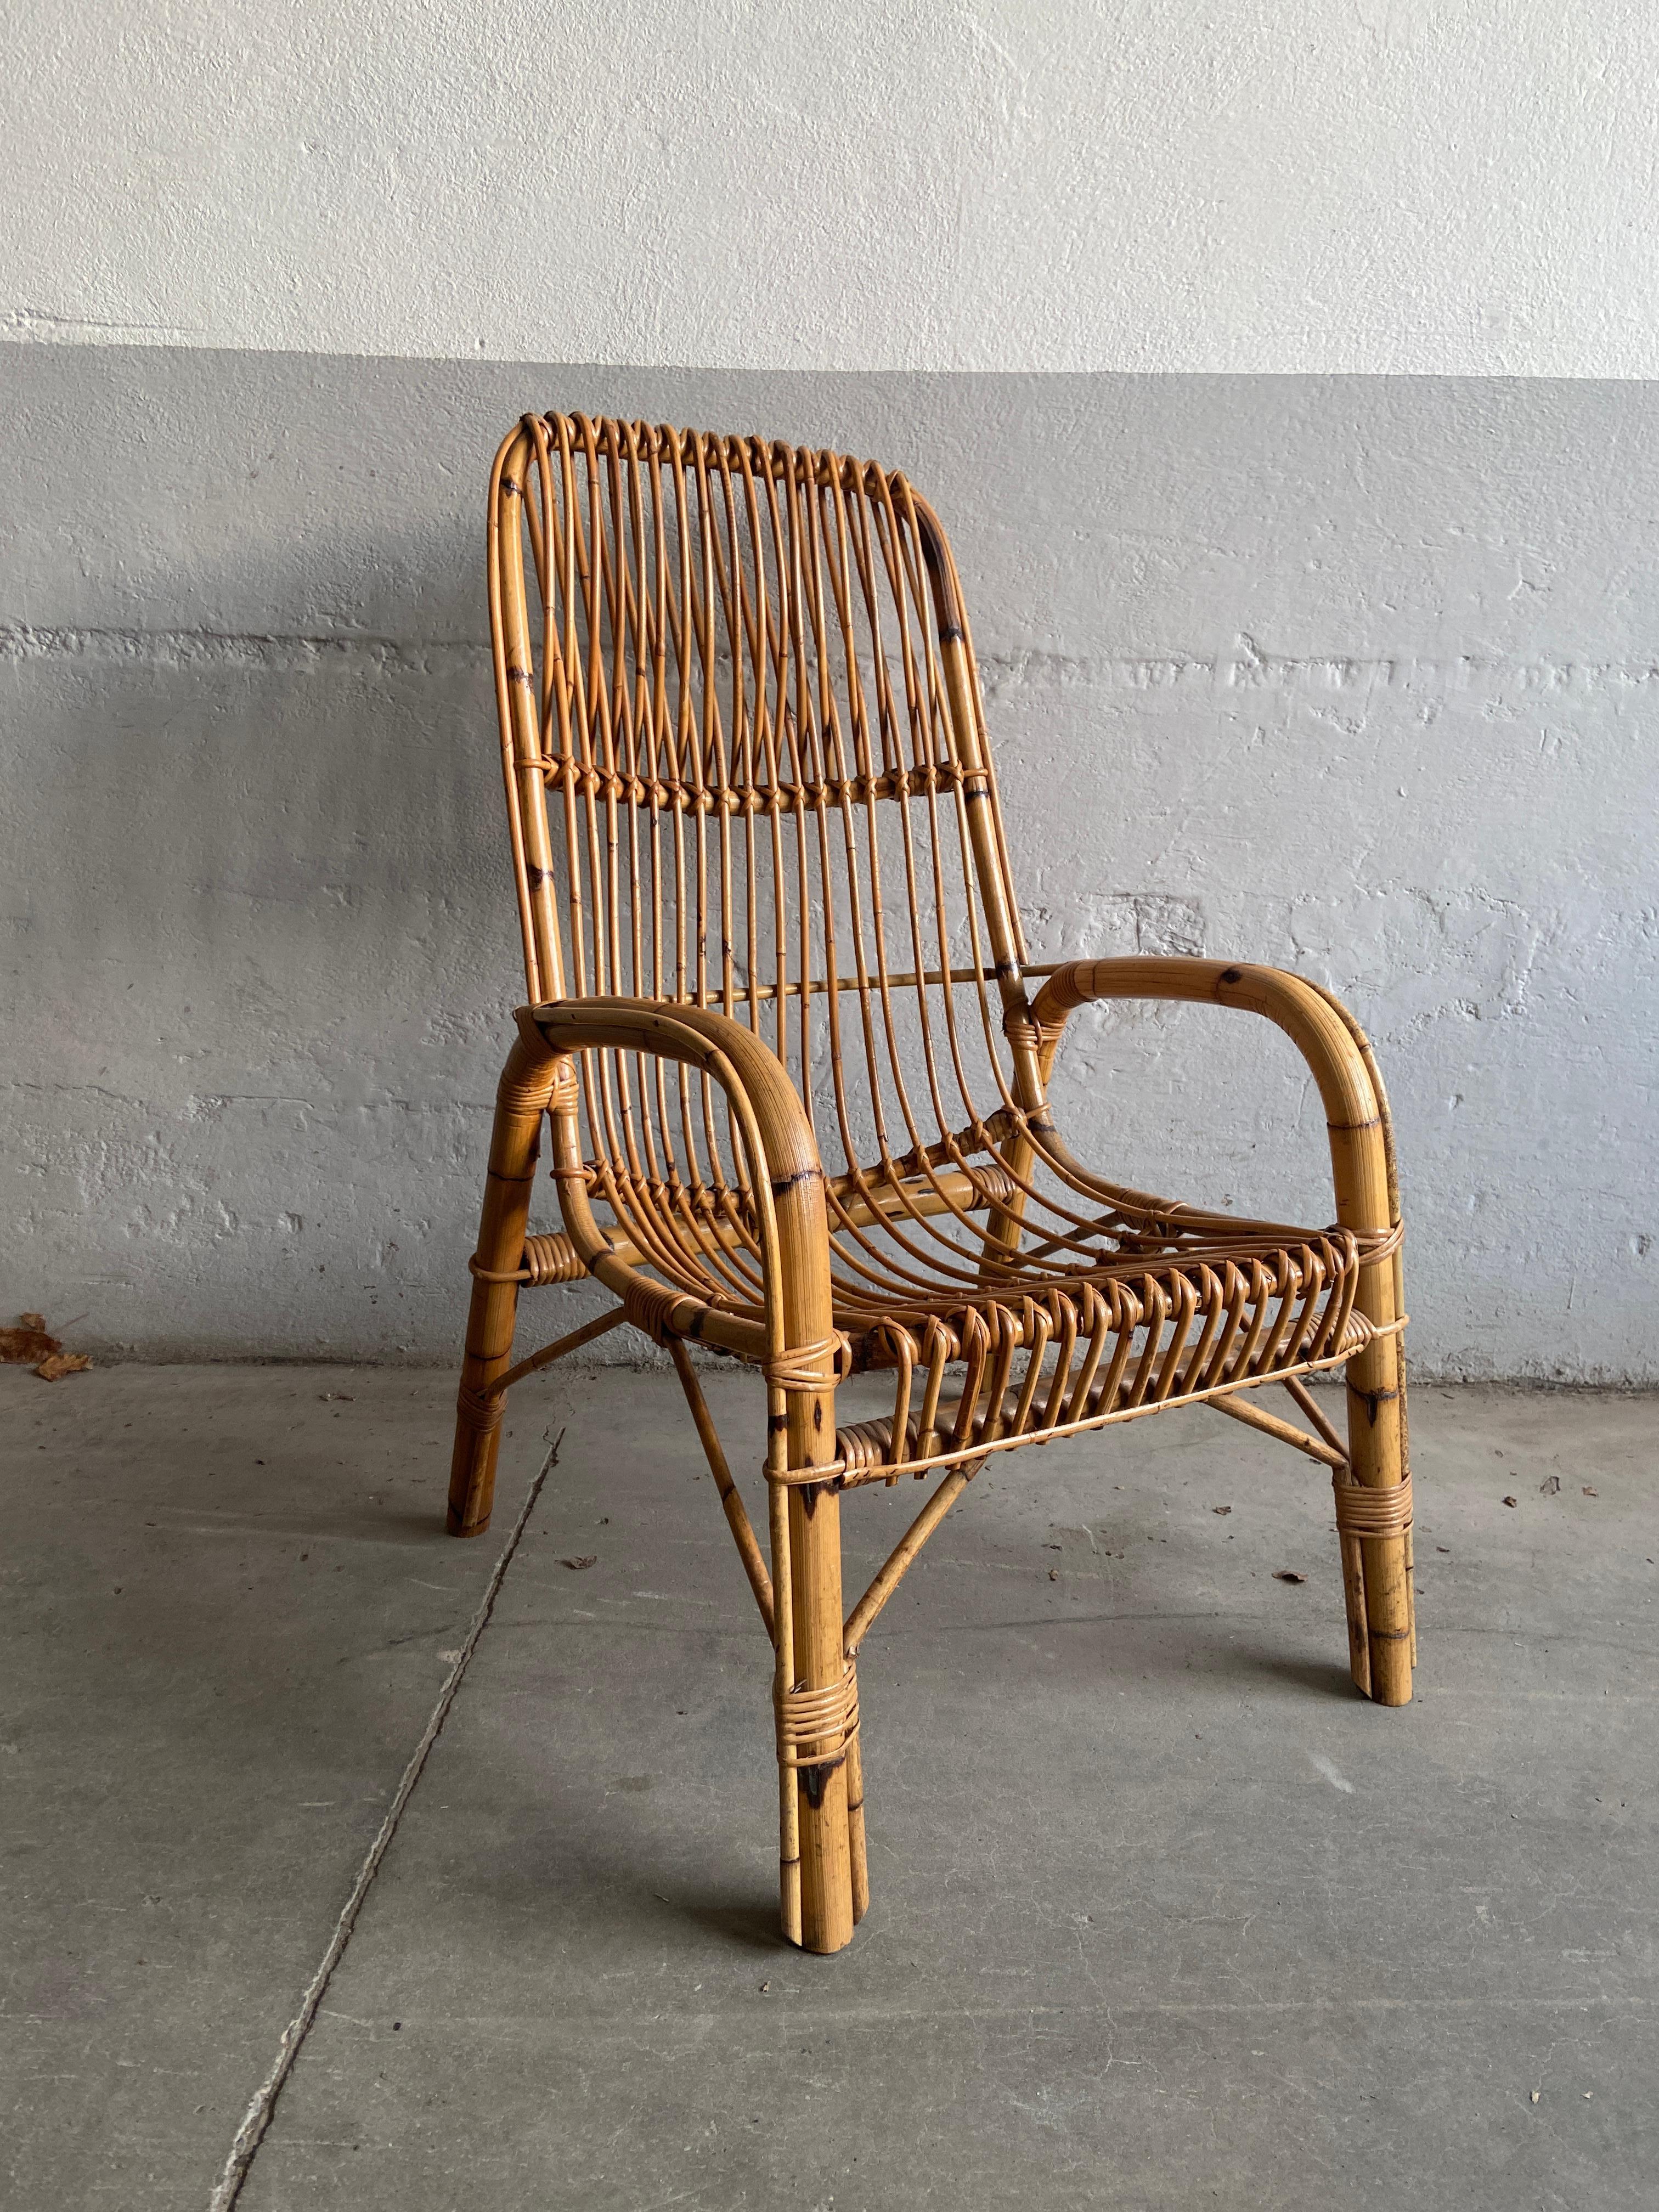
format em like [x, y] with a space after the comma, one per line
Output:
[262, 2110]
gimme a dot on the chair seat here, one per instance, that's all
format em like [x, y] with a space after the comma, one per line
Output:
[1213, 1258]
[1210, 1305]
[1090, 1319]
[1087, 1318]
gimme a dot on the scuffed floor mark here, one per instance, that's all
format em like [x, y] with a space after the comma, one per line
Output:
[1331, 1771]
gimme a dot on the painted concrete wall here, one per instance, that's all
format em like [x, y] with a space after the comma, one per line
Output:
[1357, 675]
[1376, 186]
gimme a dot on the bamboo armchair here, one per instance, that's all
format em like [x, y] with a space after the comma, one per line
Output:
[796, 1065]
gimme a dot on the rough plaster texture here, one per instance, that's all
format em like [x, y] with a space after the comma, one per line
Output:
[1301, 185]
[1357, 675]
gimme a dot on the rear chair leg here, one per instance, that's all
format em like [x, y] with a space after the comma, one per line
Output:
[860, 1865]
[521, 1099]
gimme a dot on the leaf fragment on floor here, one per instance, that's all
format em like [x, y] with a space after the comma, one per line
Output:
[28, 1342]
[61, 1363]
[31, 1344]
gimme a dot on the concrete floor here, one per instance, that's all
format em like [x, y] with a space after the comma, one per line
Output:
[1164, 1916]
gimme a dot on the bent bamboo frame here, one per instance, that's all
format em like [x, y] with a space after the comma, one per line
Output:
[797, 1067]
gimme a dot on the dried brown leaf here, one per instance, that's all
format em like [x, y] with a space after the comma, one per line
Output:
[583, 1559]
[1551, 1486]
[1590, 1493]
[27, 1343]
[1223, 1509]
[62, 1363]
[1511, 1501]
[1288, 1575]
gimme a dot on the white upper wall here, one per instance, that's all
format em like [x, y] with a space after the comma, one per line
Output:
[1372, 185]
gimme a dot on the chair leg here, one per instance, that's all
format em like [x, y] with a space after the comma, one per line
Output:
[861, 1864]
[1376, 1538]
[1378, 1570]
[826, 1859]
[817, 1877]
[521, 1099]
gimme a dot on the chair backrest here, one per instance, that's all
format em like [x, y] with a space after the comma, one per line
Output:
[747, 767]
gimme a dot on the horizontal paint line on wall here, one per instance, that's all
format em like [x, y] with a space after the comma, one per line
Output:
[30, 642]
[1248, 669]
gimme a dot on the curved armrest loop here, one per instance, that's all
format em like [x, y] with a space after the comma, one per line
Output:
[801, 1349]
[1328, 1038]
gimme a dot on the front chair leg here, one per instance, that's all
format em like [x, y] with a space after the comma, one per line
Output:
[1377, 1566]
[822, 1885]
[521, 1098]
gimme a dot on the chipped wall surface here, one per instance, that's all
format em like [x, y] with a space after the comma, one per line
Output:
[1358, 676]
[1297, 185]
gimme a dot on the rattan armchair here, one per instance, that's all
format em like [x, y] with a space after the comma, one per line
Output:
[796, 1065]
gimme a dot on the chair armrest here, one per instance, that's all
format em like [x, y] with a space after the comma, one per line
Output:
[1328, 1038]
[781, 1157]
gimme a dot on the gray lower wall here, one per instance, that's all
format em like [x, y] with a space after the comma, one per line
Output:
[1354, 675]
